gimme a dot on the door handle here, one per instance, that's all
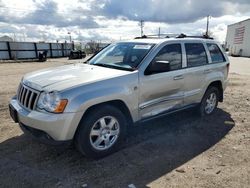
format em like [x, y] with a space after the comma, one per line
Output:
[207, 71]
[179, 77]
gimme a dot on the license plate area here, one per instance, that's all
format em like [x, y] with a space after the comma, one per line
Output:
[13, 113]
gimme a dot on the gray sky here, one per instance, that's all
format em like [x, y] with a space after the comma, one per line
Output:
[110, 20]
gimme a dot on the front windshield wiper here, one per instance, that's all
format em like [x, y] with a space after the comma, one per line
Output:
[113, 66]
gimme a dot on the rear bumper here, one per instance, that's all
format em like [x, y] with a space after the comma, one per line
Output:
[225, 84]
[54, 127]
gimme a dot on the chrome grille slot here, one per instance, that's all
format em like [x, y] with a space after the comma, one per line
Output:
[27, 97]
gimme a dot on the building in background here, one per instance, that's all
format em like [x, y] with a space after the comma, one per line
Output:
[238, 38]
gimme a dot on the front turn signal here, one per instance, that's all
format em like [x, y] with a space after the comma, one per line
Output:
[61, 106]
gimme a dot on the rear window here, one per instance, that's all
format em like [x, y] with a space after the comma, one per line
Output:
[216, 54]
[196, 54]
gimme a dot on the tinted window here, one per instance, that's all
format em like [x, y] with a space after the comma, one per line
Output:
[216, 54]
[172, 54]
[196, 54]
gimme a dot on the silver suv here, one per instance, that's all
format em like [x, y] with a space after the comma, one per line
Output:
[94, 102]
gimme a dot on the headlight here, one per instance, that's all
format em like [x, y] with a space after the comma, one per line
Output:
[51, 102]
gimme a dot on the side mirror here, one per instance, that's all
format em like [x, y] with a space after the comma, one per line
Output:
[158, 67]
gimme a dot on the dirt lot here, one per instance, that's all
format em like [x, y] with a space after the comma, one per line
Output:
[168, 152]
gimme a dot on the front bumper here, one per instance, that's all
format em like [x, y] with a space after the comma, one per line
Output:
[57, 127]
[42, 136]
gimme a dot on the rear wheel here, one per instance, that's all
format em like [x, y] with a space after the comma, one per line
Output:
[209, 101]
[101, 132]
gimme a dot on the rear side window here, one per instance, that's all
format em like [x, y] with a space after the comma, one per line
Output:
[196, 54]
[216, 54]
[172, 54]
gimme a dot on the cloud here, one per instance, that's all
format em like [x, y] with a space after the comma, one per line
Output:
[171, 12]
[47, 13]
[83, 13]
[115, 19]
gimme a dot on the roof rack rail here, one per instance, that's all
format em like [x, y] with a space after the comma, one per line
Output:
[171, 35]
[158, 36]
[142, 37]
[186, 36]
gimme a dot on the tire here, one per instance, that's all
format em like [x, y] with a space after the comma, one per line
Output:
[101, 132]
[209, 102]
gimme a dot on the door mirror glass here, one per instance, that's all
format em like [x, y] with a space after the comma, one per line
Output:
[158, 67]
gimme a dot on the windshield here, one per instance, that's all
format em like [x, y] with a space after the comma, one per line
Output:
[125, 56]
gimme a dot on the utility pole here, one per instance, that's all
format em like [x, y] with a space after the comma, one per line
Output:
[159, 33]
[208, 17]
[141, 24]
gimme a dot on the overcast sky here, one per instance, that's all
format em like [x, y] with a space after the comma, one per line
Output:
[111, 20]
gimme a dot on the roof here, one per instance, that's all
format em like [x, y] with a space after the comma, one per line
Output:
[239, 22]
[161, 40]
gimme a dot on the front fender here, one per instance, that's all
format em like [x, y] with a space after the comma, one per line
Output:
[126, 95]
[124, 89]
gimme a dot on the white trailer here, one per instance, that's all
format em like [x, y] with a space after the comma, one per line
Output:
[238, 38]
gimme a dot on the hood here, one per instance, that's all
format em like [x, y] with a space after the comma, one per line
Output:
[67, 76]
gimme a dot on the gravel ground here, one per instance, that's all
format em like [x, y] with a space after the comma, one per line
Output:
[167, 152]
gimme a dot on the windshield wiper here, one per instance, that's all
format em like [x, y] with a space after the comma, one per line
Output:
[113, 66]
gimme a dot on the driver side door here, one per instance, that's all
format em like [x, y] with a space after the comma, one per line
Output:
[162, 91]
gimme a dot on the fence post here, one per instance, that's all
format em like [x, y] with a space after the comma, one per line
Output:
[50, 48]
[62, 47]
[36, 50]
[9, 50]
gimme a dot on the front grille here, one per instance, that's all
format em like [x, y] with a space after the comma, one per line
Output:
[27, 97]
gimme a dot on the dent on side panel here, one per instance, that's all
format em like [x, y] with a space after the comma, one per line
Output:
[160, 105]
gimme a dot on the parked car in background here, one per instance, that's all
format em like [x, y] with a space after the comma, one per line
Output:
[94, 103]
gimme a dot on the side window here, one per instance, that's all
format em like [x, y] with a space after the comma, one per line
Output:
[216, 54]
[196, 54]
[172, 54]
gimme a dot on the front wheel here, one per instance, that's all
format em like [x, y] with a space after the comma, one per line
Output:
[101, 132]
[209, 101]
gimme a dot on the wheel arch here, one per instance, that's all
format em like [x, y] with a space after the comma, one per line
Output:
[119, 104]
[218, 85]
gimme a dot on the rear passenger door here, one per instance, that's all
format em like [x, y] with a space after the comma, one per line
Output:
[196, 70]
